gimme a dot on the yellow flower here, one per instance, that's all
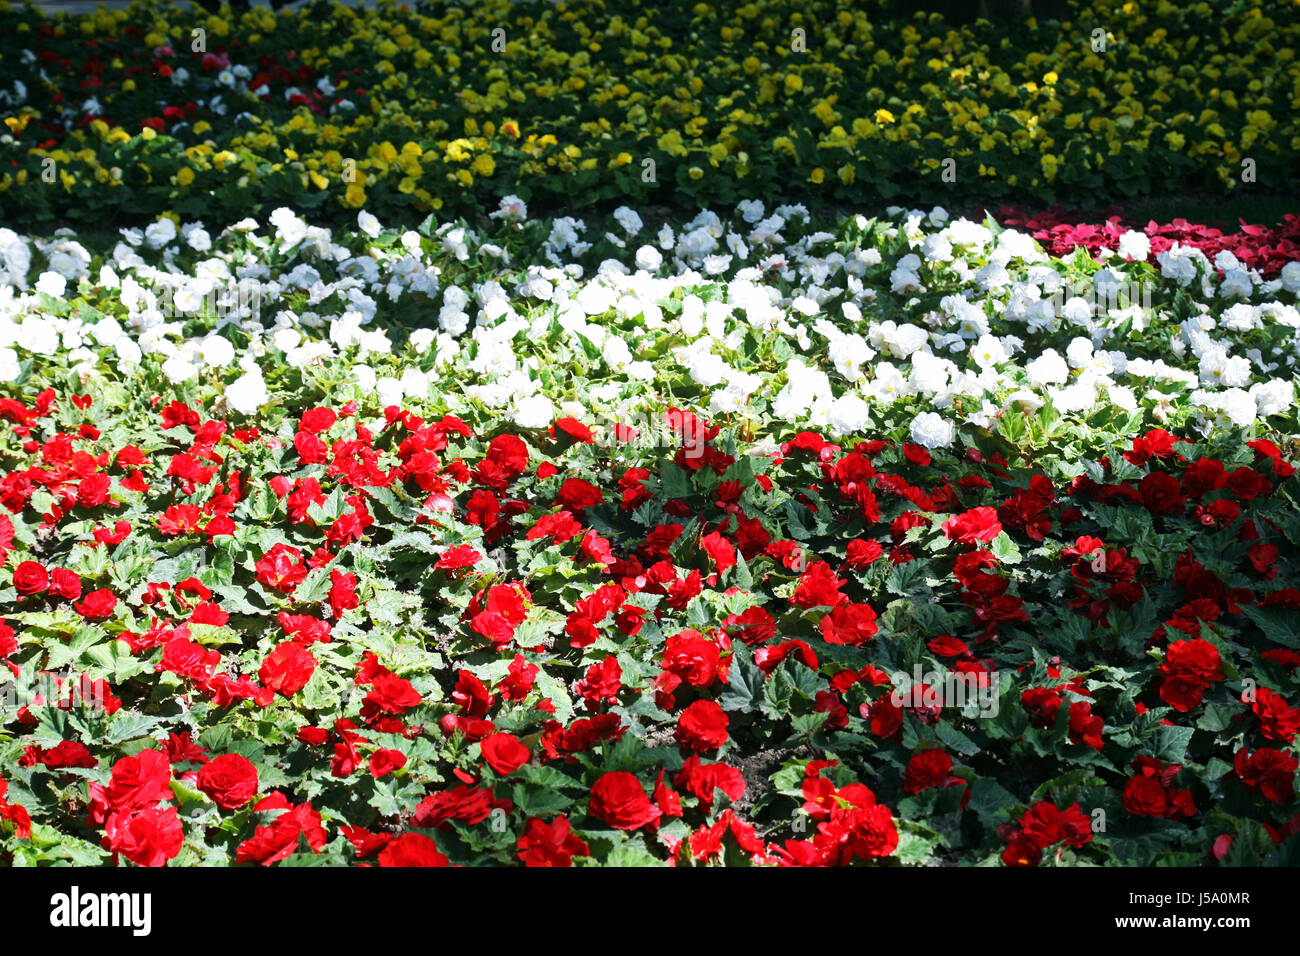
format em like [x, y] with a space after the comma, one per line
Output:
[817, 175]
[355, 196]
[185, 176]
[463, 175]
[1049, 79]
[484, 165]
[884, 117]
[695, 172]
[148, 132]
[848, 173]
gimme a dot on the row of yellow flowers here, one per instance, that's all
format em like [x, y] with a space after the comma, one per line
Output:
[582, 102]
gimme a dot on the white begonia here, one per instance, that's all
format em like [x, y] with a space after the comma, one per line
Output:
[160, 233]
[1273, 397]
[421, 339]
[179, 368]
[365, 377]
[10, 368]
[847, 414]
[389, 390]
[38, 334]
[648, 258]
[1236, 285]
[289, 229]
[931, 430]
[1079, 352]
[1122, 397]
[535, 411]
[511, 209]
[217, 352]
[415, 384]
[1134, 245]
[52, 284]
[1291, 277]
[847, 353]
[629, 220]
[988, 352]
[1048, 369]
[368, 224]
[247, 393]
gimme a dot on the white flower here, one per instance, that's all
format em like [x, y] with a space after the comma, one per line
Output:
[536, 411]
[1048, 369]
[930, 430]
[988, 352]
[421, 339]
[51, 283]
[648, 258]
[1134, 245]
[368, 224]
[247, 393]
[217, 351]
[9, 368]
[289, 229]
[179, 368]
[1273, 397]
[847, 414]
[1291, 277]
[390, 391]
[38, 334]
[628, 219]
[160, 233]
[511, 209]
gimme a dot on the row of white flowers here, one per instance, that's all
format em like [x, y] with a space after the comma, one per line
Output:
[948, 321]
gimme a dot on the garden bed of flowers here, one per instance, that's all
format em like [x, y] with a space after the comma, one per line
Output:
[738, 541]
[441, 107]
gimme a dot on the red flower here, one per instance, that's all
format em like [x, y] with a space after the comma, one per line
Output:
[391, 694]
[1161, 493]
[412, 849]
[385, 761]
[343, 592]
[147, 837]
[287, 668]
[619, 800]
[230, 780]
[851, 624]
[702, 726]
[317, 420]
[929, 768]
[97, 604]
[1189, 668]
[1145, 797]
[1278, 720]
[139, 781]
[1269, 772]
[281, 568]
[550, 844]
[975, 526]
[1043, 824]
[504, 753]
[30, 578]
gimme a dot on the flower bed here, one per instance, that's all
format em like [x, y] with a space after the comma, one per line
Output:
[737, 543]
[405, 111]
